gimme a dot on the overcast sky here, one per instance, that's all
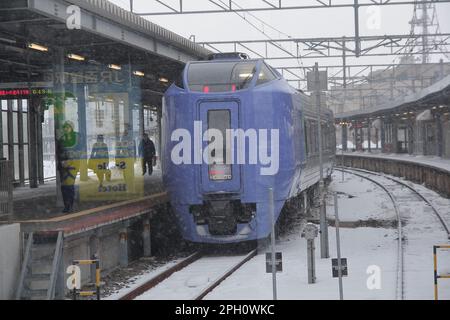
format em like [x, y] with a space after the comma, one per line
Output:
[336, 22]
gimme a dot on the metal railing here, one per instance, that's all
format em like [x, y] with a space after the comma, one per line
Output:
[6, 187]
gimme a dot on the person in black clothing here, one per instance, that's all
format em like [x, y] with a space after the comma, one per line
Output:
[69, 152]
[147, 152]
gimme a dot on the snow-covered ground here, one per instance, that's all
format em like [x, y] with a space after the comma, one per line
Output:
[367, 249]
[192, 280]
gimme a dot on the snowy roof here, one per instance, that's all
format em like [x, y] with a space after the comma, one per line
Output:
[401, 101]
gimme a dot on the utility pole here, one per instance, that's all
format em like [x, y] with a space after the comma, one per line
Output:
[131, 5]
[324, 250]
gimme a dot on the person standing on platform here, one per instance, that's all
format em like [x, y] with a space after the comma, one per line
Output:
[69, 155]
[147, 152]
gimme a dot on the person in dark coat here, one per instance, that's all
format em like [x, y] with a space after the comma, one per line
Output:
[147, 152]
[68, 156]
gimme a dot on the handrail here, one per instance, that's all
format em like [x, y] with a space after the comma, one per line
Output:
[55, 267]
[24, 266]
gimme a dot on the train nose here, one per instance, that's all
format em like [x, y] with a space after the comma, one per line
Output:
[223, 216]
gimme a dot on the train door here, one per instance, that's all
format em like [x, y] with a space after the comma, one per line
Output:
[218, 174]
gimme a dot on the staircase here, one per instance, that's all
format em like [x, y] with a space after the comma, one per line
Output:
[40, 267]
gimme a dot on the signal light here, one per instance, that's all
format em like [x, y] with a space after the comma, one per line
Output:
[206, 89]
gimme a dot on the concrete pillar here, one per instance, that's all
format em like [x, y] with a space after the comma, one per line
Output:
[395, 137]
[20, 127]
[359, 137]
[369, 129]
[344, 131]
[11, 135]
[123, 247]
[382, 136]
[146, 237]
[33, 163]
[377, 141]
[40, 149]
[439, 136]
[410, 137]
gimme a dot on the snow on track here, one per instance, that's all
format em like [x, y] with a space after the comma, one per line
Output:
[189, 282]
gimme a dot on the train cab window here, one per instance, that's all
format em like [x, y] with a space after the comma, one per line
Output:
[220, 76]
[218, 169]
[265, 75]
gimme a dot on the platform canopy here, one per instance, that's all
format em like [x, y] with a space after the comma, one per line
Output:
[433, 96]
[107, 35]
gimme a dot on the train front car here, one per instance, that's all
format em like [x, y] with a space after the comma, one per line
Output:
[228, 136]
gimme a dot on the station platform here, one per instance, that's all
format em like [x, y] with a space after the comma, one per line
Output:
[428, 161]
[433, 172]
[40, 204]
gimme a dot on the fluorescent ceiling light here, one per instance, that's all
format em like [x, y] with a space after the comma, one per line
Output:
[37, 47]
[139, 73]
[164, 80]
[114, 67]
[75, 57]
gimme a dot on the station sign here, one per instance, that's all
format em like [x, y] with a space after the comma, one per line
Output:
[335, 267]
[278, 262]
[24, 92]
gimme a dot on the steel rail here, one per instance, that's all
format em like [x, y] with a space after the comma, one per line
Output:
[161, 277]
[150, 284]
[228, 273]
[428, 201]
[400, 256]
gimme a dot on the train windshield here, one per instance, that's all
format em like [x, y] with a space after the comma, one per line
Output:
[221, 76]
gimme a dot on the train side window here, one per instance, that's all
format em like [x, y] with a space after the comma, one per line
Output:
[265, 75]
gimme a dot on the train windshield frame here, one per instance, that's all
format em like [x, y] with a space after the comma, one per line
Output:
[222, 76]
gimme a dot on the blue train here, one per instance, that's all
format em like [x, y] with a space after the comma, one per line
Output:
[232, 129]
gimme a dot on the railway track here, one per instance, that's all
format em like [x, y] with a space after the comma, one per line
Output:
[436, 212]
[191, 279]
[401, 202]
[400, 255]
